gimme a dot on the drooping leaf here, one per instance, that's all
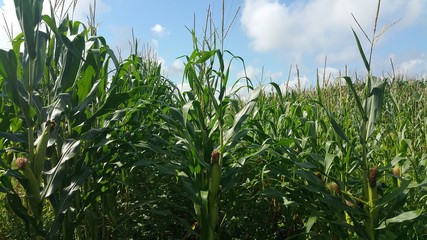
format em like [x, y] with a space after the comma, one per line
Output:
[374, 105]
[67, 198]
[393, 194]
[71, 66]
[14, 87]
[29, 13]
[356, 97]
[241, 116]
[329, 160]
[309, 224]
[18, 137]
[337, 127]
[403, 217]
[111, 103]
[362, 53]
[15, 203]
[55, 176]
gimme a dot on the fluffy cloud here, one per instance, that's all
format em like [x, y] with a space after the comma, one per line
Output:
[173, 71]
[251, 72]
[319, 27]
[413, 67]
[257, 75]
[158, 30]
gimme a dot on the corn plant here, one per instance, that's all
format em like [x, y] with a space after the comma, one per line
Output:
[370, 107]
[56, 106]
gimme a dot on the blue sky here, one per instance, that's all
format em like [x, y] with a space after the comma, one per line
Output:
[271, 35]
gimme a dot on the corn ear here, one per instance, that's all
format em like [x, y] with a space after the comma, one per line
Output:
[213, 196]
[213, 215]
[33, 190]
[40, 152]
[214, 183]
[397, 174]
[214, 180]
[373, 197]
[215, 176]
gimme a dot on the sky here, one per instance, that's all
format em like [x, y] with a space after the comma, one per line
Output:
[274, 37]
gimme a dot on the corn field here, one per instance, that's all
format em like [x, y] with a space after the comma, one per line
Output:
[94, 146]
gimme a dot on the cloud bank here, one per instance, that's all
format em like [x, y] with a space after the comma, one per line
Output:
[320, 27]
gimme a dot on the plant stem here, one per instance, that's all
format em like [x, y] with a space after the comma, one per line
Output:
[373, 211]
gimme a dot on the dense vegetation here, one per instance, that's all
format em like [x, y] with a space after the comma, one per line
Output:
[95, 147]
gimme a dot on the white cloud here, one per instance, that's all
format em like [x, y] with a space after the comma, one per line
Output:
[251, 72]
[80, 13]
[319, 26]
[328, 73]
[183, 86]
[82, 9]
[173, 71]
[295, 83]
[414, 67]
[178, 65]
[274, 76]
[159, 31]
[258, 75]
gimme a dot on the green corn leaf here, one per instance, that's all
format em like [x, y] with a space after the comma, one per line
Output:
[111, 103]
[68, 192]
[42, 41]
[319, 90]
[356, 97]
[17, 137]
[5, 179]
[329, 160]
[15, 88]
[55, 176]
[269, 192]
[337, 127]
[61, 36]
[242, 115]
[15, 204]
[309, 224]
[185, 110]
[203, 56]
[86, 83]
[8, 64]
[278, 91]
[362, 54]
[71, 66]
[393, 194]
[374, 105]
[28, 13]
[67, 198]
[405, 216]
[86, 100]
